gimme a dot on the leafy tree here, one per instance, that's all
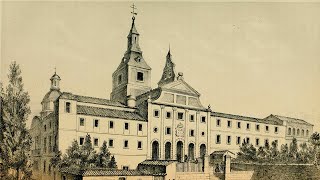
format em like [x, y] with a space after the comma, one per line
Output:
[14, 137]
[315, 141]
[274, 152]
[72, 157]
[103, 156]
[88, 154]
[113, 163]
[293, 149]
[247, 152]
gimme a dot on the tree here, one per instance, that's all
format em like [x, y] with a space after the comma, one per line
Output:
[72, 157]
[315, 141]
[113, 163]
[103, 156]
[247, 152]
[15, 139]
[88, 154]
[293, 149]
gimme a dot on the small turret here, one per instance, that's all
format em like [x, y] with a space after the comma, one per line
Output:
[55, 80]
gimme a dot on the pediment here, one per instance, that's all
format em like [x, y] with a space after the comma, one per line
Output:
[180, 86]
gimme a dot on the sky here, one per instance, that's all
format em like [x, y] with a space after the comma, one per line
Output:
[251, 59]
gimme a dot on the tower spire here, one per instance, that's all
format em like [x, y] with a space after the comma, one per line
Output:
[169, 72]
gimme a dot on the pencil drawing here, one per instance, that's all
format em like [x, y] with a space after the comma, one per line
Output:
[143, 131]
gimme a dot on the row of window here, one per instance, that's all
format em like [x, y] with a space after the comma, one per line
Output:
[111, 124]
[111, 143]
[248, 126]
[140, 77]
[168, 131]
[180, 116]
[298, 132]
[238, 140]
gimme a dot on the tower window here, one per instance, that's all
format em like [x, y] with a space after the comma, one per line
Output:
[140, 127]
[139, 76]
[168, 115]
[68, 108]
[203, 119]
[180, 115]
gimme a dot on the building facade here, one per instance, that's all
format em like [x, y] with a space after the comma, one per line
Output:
[144, 123]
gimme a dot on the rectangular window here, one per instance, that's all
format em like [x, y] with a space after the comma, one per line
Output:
[110, 142]
[111, 124]
[238, 140]
[140, 127]
[139, 144]
[229, 124]
[257, 142]
[81, 121]
[228, 140]
[96, 142]
[257, 127]
[156, 113]
[180, 115]
[276, 130]
[81, 140]
[218, 122]
[96, 123]
[126, 144]
[248, 126]
[267, 128]
[248, 140]
[239, 125]
[218, 139]
[191, 133]
[168, 115]
[126, 126]
[203, 119]
[68, 108]
[140, 76]
[191, 117]
[168, 130]
[266, 142]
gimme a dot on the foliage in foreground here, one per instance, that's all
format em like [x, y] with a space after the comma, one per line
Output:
[304, 153]
[15, 140]
[84, 157]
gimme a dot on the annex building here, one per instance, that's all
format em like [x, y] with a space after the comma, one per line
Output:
[141, 122]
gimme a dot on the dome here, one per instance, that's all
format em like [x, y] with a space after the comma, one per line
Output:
[51, 96]
[55, 76]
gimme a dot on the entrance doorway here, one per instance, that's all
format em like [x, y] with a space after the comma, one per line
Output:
[155, 150]
[179, 151]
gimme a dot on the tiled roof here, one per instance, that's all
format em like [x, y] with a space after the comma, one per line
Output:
[109, 172]
[112, 113]
[244, 118]
[92, 100]
[284, 118]
[156, 162]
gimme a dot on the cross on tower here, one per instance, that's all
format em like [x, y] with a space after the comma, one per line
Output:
[133, 12]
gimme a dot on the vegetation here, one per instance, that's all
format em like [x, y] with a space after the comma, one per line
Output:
[14, 137]
[294, 153]
[84, 157]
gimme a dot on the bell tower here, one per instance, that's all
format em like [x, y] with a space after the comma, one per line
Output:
[133, 75]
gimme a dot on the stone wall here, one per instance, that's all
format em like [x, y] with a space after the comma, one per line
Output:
[280, 171]
[192, 175]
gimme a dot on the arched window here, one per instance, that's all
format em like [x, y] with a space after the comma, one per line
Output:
[298, 132]
[302, 132]
[307, 133]
[294, 131]
[289, 131]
